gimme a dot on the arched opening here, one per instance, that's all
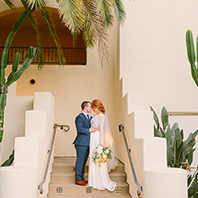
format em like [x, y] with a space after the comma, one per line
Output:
[26, 37]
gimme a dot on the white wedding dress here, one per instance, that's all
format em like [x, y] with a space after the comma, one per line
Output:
[98, 177]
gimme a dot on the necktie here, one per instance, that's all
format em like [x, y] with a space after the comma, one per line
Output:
[87, 116]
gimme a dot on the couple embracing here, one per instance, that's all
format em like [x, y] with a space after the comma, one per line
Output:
[93, 132]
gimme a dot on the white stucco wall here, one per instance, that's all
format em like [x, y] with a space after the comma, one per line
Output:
[153, 51]
[14, 125]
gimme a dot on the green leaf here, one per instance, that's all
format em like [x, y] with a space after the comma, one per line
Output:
[53, 32]
[105, 10]
[164, 118]
[173, 132]
[155, 117]
[9, 3]
[162, 133]
[195, 133]
[156, 132]
[179, 156]
[188, 144]
[94, 26]
[168, 136]
[175, 152]
[178, 137]
[10, 160]
[170, 156]
[119, 11]
[192, 191]
[190, 157]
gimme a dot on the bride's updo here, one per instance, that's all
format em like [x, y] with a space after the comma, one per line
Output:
[98, 104]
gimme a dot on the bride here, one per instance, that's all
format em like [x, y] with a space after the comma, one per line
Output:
[98, 177]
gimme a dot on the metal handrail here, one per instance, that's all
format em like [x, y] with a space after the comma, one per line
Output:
[49, 152]
[121, 129]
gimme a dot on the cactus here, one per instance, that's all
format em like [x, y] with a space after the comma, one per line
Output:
[191, 55]
[9, 161]
[179, 151]
[15, 73]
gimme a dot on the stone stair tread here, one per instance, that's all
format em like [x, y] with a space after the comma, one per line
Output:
[71, 188]
[66, 162]
[115, 195]
[86, 174]
[72, 184]
[63, 177]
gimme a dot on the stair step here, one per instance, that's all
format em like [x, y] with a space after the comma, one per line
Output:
[71, 188]
[70, 177]
[113, 195]
[63, 177]
[67, 165]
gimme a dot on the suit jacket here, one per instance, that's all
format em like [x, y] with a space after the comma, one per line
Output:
[82, 127]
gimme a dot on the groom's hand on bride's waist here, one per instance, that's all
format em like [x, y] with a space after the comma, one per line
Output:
[93, 129]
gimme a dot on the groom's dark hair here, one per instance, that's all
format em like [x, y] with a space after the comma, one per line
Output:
[84, 104]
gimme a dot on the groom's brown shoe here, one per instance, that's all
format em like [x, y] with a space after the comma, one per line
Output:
[81, 183]
[85, 181]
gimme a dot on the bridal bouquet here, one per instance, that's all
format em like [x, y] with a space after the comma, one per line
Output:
[101, 154]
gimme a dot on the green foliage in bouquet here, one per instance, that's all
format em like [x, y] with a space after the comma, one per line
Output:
[101, 155]
[179, 151]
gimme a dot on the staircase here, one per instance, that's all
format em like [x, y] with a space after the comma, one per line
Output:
[63, 178]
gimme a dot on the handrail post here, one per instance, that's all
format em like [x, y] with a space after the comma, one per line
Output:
[49, 152]
[121, 129]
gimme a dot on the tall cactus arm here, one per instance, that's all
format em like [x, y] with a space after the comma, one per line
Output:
[197, 49]
[191, 55]
[190, 47]
[29, 57]
[3, 98]
[194, 73]
[4, 59]
[15, 65]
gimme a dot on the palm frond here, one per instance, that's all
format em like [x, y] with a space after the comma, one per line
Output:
[9, 3]
[38, 3]
[72, 14]
[39, 43]
[105, 9]
[95, 28]
[37, 34]
[119, 10]
[52, 30]
[89, 38]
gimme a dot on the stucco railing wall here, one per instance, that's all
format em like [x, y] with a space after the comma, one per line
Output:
[148, 152]
[21, 180]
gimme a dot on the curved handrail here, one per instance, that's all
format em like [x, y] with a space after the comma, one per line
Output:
[121, 129]
[49, 152]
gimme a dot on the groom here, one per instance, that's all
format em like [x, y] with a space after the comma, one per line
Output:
[83, 127]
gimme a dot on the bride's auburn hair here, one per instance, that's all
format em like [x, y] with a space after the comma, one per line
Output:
[98, 104]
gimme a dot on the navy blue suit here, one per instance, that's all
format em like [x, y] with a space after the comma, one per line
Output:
[81, 144]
